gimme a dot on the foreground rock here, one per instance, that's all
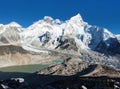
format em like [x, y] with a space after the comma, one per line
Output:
[14, 83]
[69, 83]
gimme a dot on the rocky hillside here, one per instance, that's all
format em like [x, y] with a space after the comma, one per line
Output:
[75, 74]
[15, 55]
[79, 68]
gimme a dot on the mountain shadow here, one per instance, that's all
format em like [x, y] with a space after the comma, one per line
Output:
[7, 75]
[71, 82]
[48, 81]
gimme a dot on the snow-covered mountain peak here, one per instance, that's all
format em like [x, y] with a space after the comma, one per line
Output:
[1, 28]
[13, 24]
[1, 25]
[76, 19]
[57, 21]
[48, 19]
[77, 22]
[107, 34]
[52, 21]
[118, 36]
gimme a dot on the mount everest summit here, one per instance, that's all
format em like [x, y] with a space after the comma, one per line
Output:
[75, 37]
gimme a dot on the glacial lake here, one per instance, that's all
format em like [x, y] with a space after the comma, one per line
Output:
[28, 68]
[24, 68]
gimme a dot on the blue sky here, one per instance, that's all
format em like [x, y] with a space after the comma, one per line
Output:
[104, 13]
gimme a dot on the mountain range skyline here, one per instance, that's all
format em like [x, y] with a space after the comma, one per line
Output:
[101, 13]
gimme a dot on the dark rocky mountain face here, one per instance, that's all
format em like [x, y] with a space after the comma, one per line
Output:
[66, 43]
[112, 48]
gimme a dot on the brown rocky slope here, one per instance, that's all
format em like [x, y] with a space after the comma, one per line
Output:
[15, 55]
